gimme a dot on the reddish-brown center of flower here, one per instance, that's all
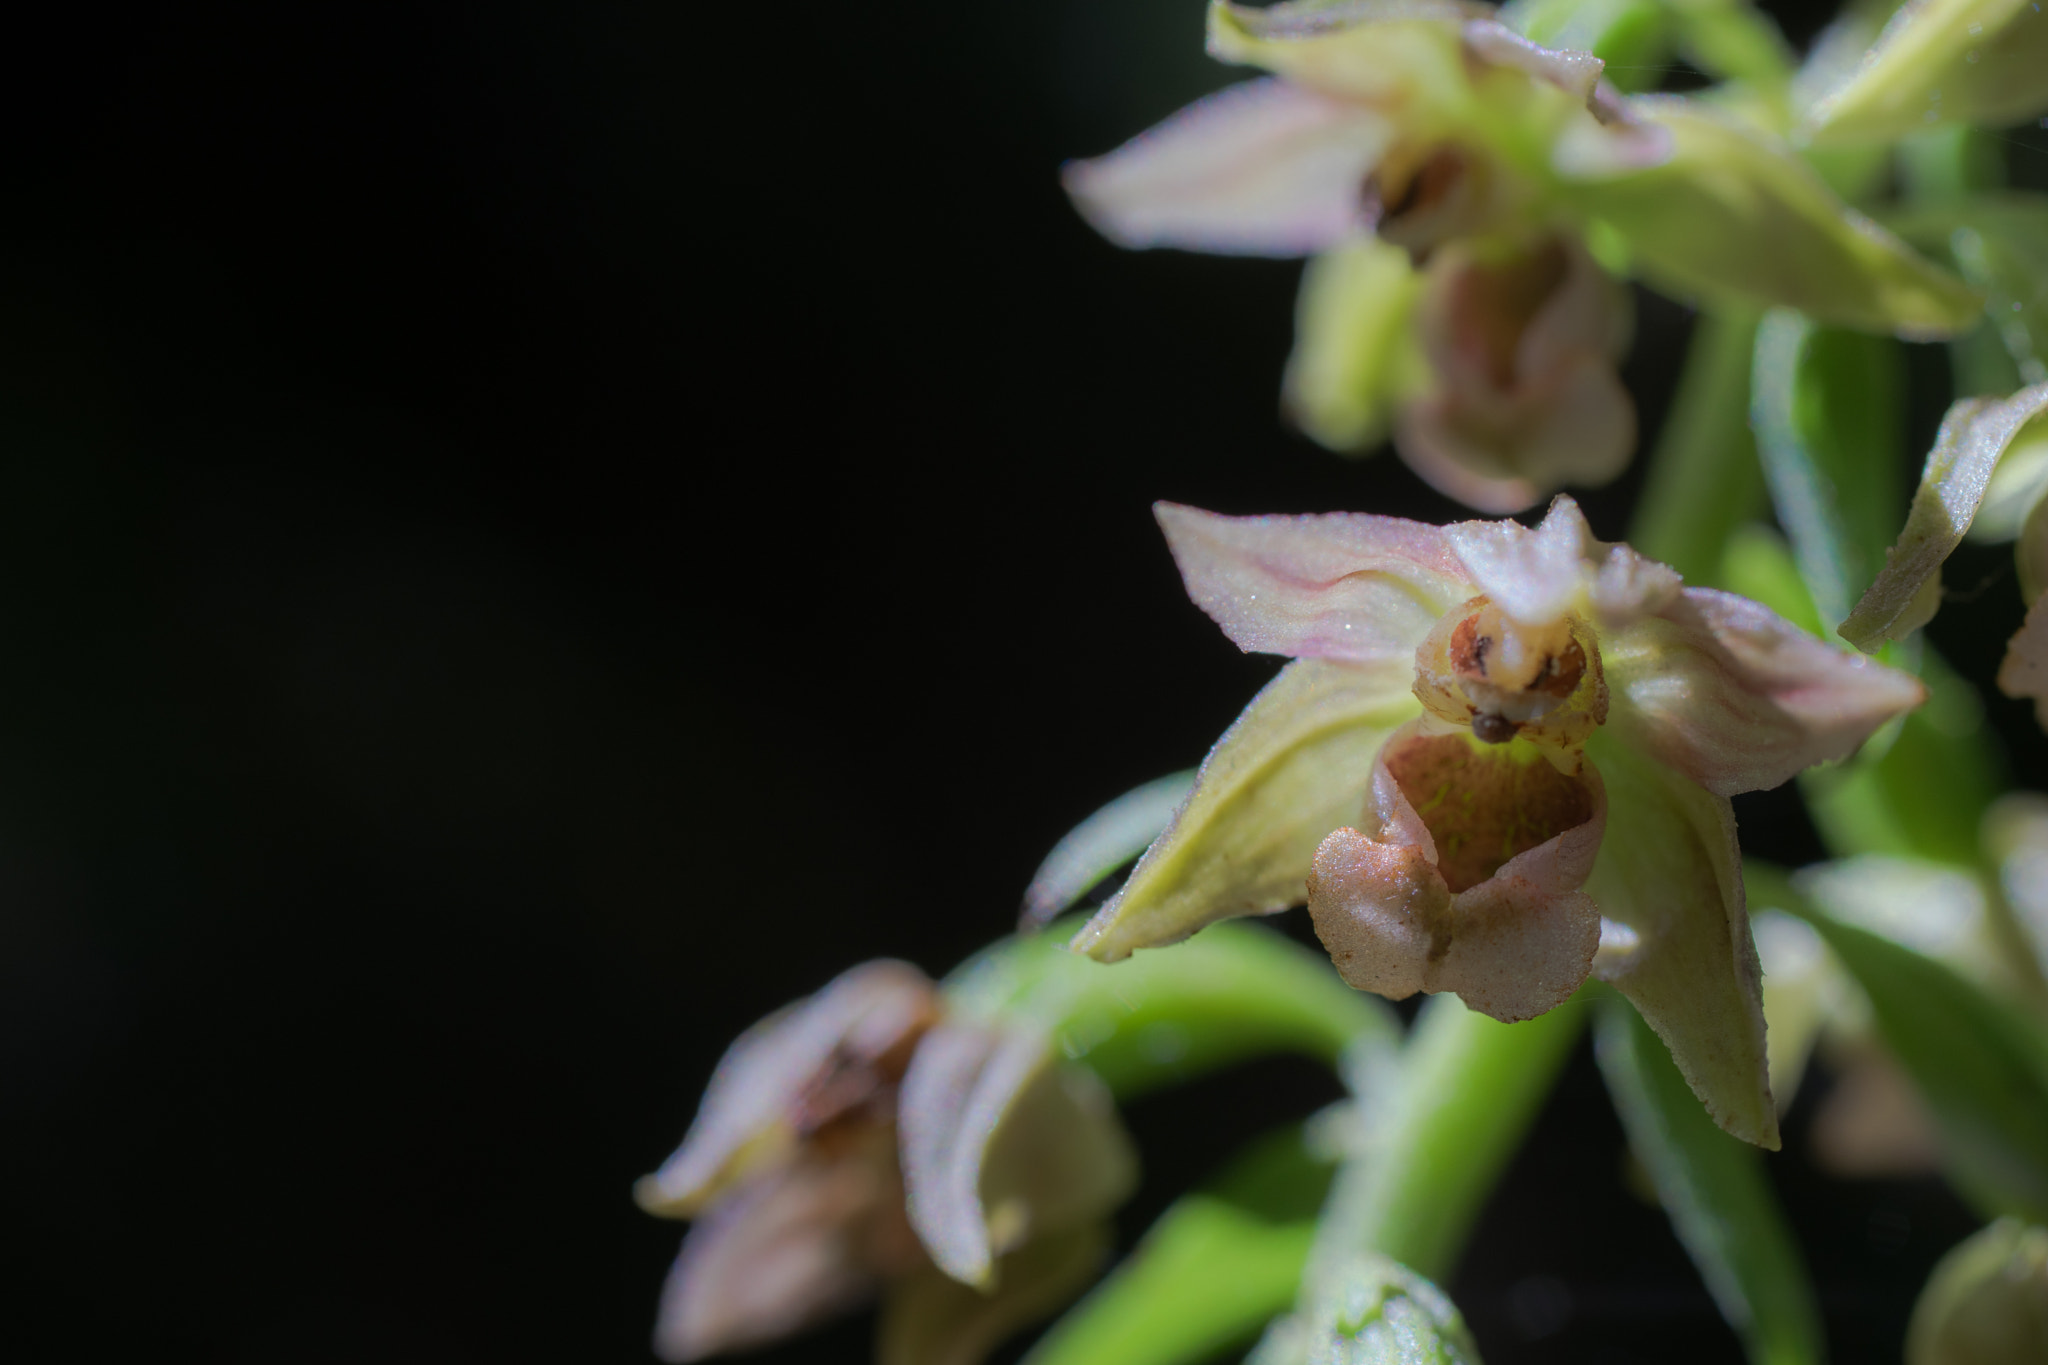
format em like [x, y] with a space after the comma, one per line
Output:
[1492, 305]
[856, 1089]
[1482, 807]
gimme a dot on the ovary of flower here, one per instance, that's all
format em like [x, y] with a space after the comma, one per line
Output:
[1584, 719]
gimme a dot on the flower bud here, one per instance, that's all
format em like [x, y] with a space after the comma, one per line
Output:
[1986, 1302]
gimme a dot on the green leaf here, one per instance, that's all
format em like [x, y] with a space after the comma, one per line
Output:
[1209, 1275]
[1237, 991]
[1721, 1204]
[1970, 61]
[1981, 1065]
[1827, 410]
[1099, 845]
[1294, 766]
[1733, 218]
[1704, 478]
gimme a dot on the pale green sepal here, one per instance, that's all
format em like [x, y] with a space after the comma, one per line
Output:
[1379, 52]
[1237, 991]
[929, 1318]
[1825, 406]
[1294, 766]
[1354, 353]
[1212, 1272]
[1734, 217]
[1371, 1310]
[1002, 1144]
[1099, 845]
[1981, 1065]
[1973, 436]
[1986, 1302]
[1941, 61]
[1721, 1204]
[1632, 36]
[1802, 988]
[1669, 872]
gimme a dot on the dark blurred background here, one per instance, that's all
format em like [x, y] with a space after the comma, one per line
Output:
[531, 535]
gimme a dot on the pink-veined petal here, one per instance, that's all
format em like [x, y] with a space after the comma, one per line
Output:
[749, 1111]
[1259, 169]
[1737, 698]
[1670, 873]
[1534, 576]
[789, 1249]
[2024, 673]
[1344, 586]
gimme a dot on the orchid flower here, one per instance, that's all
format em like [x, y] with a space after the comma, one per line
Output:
[1451, 180]
[1987, 478]
[865, 1141]
[1491, 740]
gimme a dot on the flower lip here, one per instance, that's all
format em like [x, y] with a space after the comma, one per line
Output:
[1483, 807]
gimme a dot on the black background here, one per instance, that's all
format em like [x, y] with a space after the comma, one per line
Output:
[530, 536]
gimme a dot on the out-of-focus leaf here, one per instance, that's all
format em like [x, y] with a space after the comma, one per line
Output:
[1826, 410]
[1215, 1268]
[1735, 219]
[1367, 1309]
[1970, 61]
[1704, 479]
[1631, 36]
[1721, 1205]
[1981, 1065]
[1235, 991]
[1733, 40]
[1974, 435]
[1099, 845]
[2000, 241]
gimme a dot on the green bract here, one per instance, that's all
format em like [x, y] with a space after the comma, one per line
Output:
[1941, 61]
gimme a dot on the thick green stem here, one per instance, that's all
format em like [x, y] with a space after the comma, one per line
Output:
[1704, 479]
[1442, 1121]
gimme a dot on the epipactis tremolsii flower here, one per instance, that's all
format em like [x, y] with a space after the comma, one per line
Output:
[1492, 739]
[860, 1141]
[1393, 130]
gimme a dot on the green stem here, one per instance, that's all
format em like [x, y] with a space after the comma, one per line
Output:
[1704, 479]
[1442, 1122]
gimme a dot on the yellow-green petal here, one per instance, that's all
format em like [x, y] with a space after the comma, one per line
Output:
[1354, 354]
[1941, 61]
[1294, 766]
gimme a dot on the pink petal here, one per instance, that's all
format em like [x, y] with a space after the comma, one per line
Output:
[750, 1109]
[1343, 585]
[1259, 169]
[2025, 670]
[1737, 698]
[1534, 576]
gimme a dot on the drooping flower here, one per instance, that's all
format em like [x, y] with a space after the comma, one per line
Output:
[1491, 740]
[864, 1142]
[1446, 173]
